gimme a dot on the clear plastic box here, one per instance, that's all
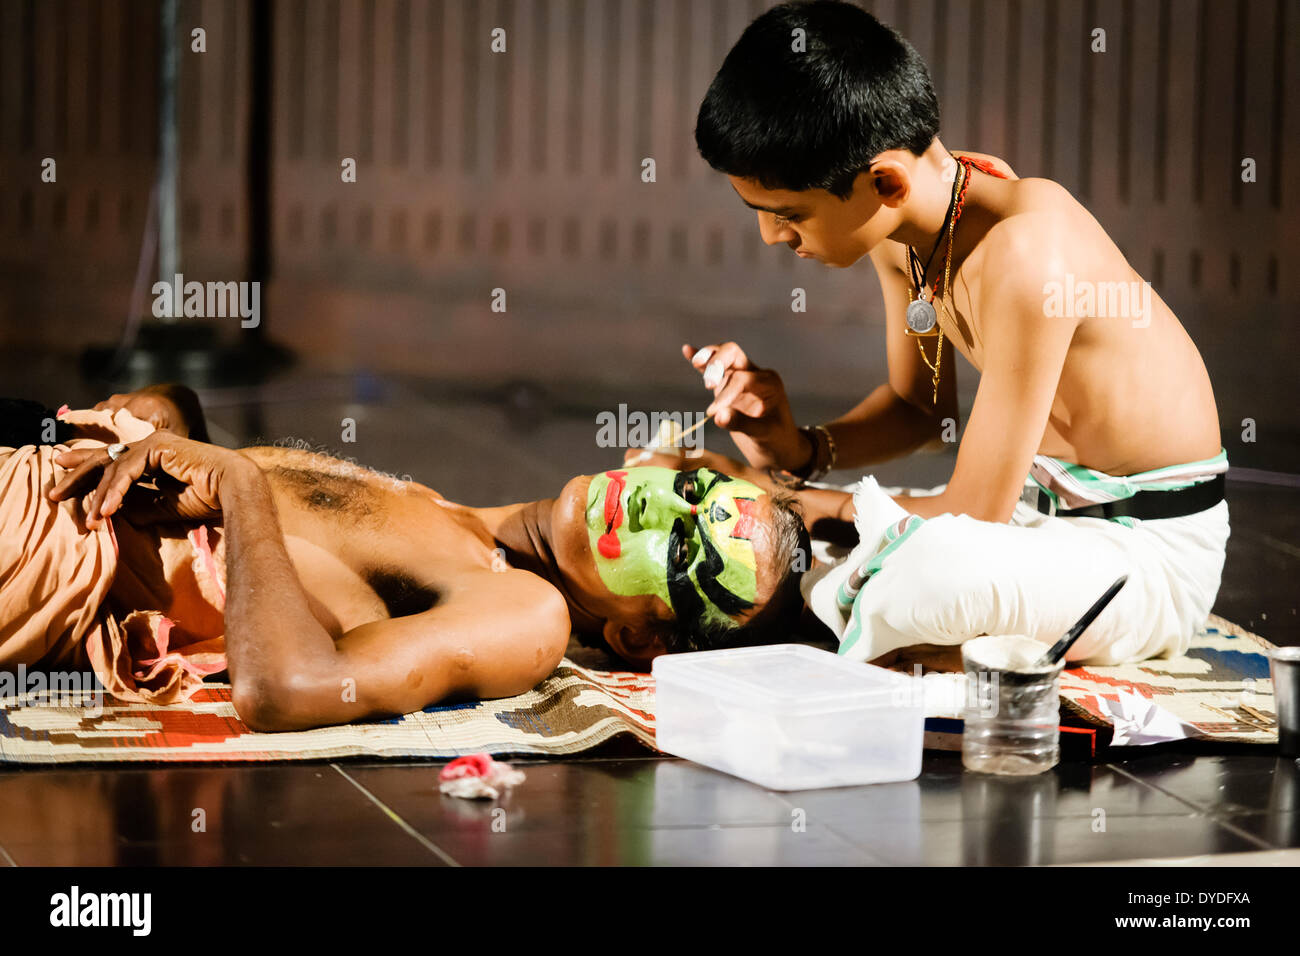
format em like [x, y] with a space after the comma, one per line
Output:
[789, 717]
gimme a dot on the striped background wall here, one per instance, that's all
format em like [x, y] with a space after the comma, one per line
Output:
[532, 158]
[522, 169]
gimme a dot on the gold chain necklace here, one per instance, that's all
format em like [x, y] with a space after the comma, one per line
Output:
[947, 269]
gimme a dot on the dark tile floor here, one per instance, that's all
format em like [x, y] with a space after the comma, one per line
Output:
[646, 811]
[518, 443]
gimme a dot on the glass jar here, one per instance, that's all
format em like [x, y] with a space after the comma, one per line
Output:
[1012, 713]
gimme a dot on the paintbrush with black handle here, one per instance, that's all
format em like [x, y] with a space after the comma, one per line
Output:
[1057, 651]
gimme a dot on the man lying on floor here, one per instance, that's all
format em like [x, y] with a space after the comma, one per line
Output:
[332, 593]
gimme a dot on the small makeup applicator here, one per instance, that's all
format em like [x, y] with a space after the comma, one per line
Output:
[663, 440]
[666, 434]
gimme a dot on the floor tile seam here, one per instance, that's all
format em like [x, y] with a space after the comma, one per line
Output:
[1203, 811]
[397, 819]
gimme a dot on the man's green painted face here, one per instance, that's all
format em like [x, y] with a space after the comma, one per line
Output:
[686, 536]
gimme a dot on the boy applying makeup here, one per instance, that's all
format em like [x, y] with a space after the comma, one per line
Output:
[1093, 444]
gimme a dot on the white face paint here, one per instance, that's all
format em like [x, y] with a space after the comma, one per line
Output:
[1005, 652]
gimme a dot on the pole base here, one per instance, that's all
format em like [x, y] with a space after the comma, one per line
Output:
[188, 353]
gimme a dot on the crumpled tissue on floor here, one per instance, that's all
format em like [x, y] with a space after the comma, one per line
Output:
[478, 777]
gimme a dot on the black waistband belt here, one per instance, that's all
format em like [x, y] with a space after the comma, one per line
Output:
[1148, 505]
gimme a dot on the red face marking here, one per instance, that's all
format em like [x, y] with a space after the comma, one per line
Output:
[745, 523]
[608, 544]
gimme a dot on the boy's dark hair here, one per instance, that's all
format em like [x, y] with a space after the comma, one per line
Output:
[779, 617]
[814, 118]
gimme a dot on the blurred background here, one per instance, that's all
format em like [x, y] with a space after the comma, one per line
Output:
[521, 171]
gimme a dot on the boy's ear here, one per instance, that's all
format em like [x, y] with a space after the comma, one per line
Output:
[636, 645]
[892, 181]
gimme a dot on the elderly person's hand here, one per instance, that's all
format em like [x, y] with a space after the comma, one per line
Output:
[187, 475]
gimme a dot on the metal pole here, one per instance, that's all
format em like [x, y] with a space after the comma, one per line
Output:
[261, 41]
[169, 240]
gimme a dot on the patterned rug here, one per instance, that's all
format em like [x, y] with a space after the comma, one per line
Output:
[1219, 692]
[575, 709]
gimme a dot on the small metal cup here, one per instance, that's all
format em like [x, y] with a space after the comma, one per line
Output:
[1284, 668]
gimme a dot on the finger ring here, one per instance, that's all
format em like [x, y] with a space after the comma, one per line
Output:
[116, 451]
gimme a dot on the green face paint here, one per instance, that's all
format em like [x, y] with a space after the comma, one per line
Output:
[685, 536]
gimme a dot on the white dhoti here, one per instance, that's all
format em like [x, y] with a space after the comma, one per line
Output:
[946, 579]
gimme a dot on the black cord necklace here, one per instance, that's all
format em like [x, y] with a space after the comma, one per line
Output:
[914, 260]
[921, 315]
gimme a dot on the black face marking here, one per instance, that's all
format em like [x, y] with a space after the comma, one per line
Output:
[718, 513]
[687, 602]
[710, 568]
[696, 493]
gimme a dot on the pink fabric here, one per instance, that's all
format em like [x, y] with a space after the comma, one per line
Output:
[56, 576]
[211, 573]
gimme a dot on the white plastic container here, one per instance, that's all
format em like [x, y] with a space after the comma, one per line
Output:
[789, 717]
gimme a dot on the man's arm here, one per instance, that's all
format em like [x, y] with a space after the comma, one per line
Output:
[1024, 353]
[492, 634]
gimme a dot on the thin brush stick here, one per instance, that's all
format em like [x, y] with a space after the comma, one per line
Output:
[646, 453]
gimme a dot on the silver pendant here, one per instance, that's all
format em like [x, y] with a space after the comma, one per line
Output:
[920, 316]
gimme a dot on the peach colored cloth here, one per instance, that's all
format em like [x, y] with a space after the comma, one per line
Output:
[72, 597]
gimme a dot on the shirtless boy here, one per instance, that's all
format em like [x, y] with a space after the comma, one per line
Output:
[1093, 446]
[332, 593]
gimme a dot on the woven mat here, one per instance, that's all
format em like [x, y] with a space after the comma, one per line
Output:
[1219, 690]
[573, 710]
[1221, 686]
[1214, 687]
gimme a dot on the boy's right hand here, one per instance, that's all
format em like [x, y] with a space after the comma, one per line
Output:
[751, 403]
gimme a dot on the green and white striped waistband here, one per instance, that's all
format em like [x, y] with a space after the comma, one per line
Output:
[1074, 486]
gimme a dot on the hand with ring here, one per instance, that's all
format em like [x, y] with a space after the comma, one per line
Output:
[188, 475]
